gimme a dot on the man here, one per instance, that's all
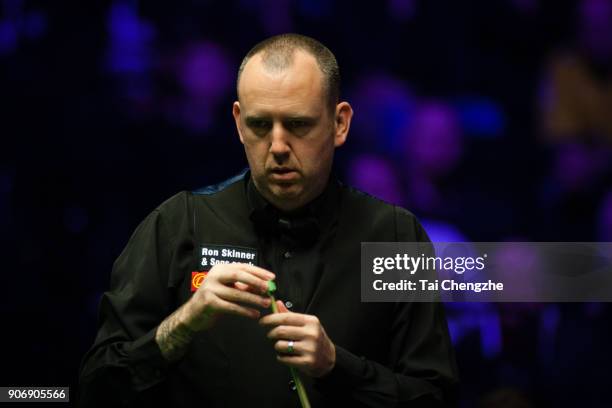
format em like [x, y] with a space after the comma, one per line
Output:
[173, 333]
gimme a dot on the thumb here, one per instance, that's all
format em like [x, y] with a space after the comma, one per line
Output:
[281, 307]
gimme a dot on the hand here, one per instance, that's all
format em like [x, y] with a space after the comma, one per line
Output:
[313, 352]
[225, 287]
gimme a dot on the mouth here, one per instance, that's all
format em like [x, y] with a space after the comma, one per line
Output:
[283, 174]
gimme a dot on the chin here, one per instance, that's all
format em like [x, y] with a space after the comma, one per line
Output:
[288, 195]
[286, 192]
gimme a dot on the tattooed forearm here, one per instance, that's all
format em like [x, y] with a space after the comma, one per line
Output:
[173, 337]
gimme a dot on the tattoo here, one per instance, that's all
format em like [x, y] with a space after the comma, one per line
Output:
[173, 337]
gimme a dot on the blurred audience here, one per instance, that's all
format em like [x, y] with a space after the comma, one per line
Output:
[432, 151]
[376, 176]
[577, 97]
[197, 102]
[383, 107]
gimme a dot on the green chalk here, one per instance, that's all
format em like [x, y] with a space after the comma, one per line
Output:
[271, 287]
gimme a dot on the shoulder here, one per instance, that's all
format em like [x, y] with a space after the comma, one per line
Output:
[226, 186]
[370, 209]
[177, 212]
[183, 201]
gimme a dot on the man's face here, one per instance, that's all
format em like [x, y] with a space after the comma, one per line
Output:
[288, 132]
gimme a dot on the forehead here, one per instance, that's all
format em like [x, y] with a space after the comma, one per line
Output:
[296, 89]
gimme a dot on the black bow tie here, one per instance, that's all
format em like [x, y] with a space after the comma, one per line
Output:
[302, 230]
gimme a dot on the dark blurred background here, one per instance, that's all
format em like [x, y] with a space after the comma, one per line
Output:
[490, 120]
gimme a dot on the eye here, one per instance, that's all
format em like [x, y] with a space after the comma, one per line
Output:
[296, 123]
[259, 126]
[298, 126]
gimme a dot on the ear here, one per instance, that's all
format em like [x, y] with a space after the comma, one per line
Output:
[236, 114]
[344, 114]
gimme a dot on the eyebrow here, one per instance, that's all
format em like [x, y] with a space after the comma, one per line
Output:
[305, 118]
[301, 118]
[256, 118]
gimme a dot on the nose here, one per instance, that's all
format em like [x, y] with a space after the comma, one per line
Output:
[279, 143]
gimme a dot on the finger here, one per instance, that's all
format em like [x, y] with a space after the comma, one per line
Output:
[260, 272]
[230, 276]
[282, 346]
[277, 319]
[232, 308]
[247, 288]
[286, 332]
[235, 295]
[299, 361]
[241, 286]
[281, 307]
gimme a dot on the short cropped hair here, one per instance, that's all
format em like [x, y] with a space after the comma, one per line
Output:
[277, 54]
